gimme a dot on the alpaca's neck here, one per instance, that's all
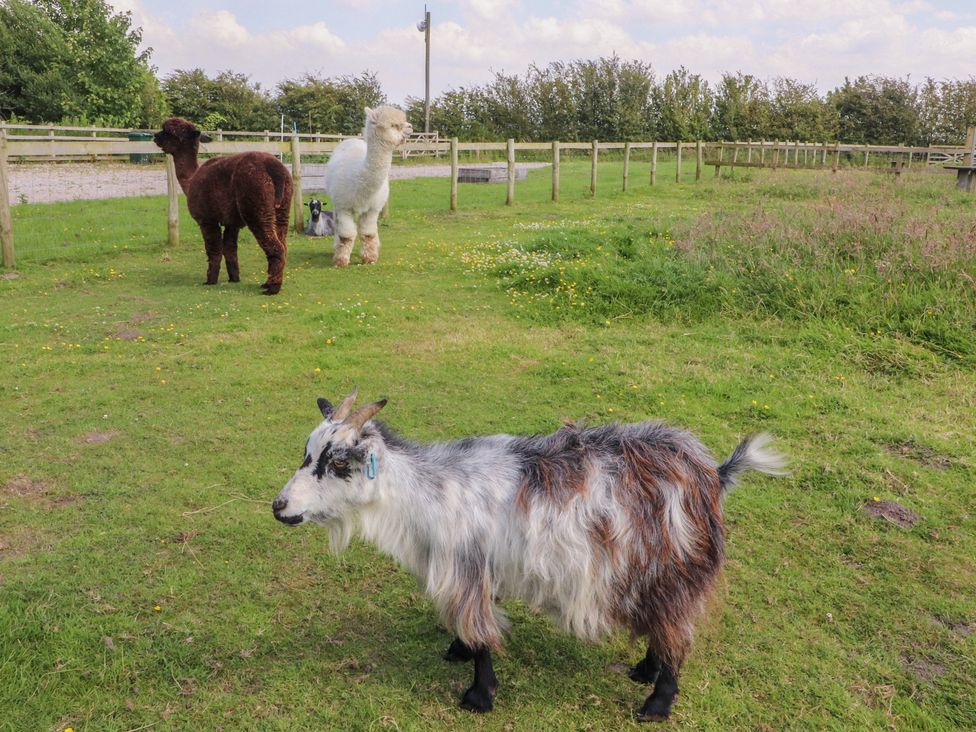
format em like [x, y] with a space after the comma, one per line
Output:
[376, 164]
[186, 165]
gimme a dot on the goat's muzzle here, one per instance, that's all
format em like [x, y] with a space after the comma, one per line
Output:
[278, 506]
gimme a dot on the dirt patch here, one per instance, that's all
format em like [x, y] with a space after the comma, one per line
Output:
[892, 512]
[919, 453]
[128, 335]
[96, 437]
[924, 669]
[960, 627]
[23, 486]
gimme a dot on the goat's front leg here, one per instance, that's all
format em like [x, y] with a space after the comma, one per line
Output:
[478, 698]
[344, 239]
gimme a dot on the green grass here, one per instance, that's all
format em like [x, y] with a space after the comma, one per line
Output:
[147, 422]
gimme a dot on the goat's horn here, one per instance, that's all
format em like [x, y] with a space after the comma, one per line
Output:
[343, 411]
[362, 415]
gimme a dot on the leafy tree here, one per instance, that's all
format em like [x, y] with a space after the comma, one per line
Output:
[683, 103]
[80, 59]
[33, 64]
[228, 101]
[946, 109]
[333, 105]
[797, 112]
[877, 110]
[742, 108]
[553, 105]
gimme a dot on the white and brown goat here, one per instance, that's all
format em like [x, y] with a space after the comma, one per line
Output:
[618, 526]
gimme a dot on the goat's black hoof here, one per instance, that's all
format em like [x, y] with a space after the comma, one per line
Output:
[655, 709]
[477, 700]
[208, 282]
[272, 289]
[235, 279]
[643, 673]
[457, 652]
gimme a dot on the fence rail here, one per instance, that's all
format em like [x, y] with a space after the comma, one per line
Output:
[23, 143]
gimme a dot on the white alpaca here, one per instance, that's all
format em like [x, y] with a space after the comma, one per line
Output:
[357, 180]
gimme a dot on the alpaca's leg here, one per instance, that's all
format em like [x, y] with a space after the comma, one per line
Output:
[213, 244]
[277, 252]
[369, 233]
[230, 253]
[344, 238]
[265, 230]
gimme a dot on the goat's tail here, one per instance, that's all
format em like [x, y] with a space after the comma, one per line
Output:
[753, 453]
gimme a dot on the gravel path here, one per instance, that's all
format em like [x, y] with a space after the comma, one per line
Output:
[49, 183]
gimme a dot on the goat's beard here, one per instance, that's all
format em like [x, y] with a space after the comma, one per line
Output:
[340, 534]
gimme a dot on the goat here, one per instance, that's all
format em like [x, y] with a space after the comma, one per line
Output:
[320, 223]
[603, 527]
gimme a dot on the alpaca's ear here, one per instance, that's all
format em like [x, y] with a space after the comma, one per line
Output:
[371, 115]
[205, 138]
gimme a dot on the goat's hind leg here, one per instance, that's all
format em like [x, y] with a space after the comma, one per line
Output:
[479, 697]
[657, 707]
[458, 652]
[647, 669]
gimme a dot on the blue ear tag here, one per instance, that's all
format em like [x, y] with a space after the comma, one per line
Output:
[371, 467]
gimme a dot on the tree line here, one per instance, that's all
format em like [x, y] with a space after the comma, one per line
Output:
[77, 61]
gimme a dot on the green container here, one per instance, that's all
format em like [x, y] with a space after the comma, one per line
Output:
[140, 158]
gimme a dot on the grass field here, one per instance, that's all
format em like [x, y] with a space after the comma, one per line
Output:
[147, 422]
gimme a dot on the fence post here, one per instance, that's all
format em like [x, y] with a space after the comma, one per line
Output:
[6, 222]
[836, 157]
[677, 163]
[298, 204]
[698, 160]
[510, 197]
[593, 162]
[626, 164]
[776, 155]
[555, 172]
[867, 155]
[173, 204]
[454, 172]
[749, 151]
[721, 159]
[654, 163]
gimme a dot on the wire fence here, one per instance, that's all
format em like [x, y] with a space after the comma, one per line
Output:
[47, 165]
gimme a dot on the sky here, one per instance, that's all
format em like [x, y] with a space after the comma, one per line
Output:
[815, 41]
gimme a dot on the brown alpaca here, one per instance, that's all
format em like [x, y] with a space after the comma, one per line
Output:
[251, 189]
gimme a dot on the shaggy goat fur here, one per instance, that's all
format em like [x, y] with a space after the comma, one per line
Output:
[251, 189]
[320, 222]
[603, 527]
[357, 180]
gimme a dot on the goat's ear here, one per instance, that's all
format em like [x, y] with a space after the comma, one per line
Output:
[325, 406]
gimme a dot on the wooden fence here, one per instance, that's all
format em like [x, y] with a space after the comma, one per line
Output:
[55, 144]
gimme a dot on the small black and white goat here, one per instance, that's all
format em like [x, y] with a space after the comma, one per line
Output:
[602, 527]
[320, 223]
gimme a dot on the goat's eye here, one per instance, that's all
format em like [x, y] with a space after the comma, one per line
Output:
[339, 464]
